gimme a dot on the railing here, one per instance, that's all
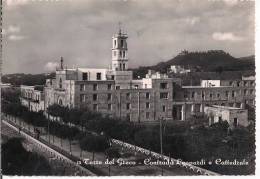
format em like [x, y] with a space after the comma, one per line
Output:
[163, 157]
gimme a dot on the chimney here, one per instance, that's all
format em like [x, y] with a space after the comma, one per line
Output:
[61, 63]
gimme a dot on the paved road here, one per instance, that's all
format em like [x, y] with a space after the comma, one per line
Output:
[114, 169]
[58, 167]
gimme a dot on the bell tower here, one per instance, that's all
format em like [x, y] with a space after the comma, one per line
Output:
[119, 51]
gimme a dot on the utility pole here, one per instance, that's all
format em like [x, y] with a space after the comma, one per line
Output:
[49, 127]
[161, 143]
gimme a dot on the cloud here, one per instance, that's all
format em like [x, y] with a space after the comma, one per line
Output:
[157, 30]
[226, 36]
[16, 37]
[13, 29]
[16, 2]
[231, 2]
[51, 66]
[192, 20]
[3, 31]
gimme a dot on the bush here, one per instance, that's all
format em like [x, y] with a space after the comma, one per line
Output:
[112, 152]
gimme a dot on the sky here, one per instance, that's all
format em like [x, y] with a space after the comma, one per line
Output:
[36, 33]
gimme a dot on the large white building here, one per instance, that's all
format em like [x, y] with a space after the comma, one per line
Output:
[113, 91]
[32, 98]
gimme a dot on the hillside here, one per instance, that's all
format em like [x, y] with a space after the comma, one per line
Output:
[209, 61]
[26, 79]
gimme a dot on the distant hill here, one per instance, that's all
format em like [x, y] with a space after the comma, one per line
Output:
[209, 61]
[213, 61]
[26, 79]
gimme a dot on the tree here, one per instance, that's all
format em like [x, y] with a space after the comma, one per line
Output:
[94, 143]
[17, 161]
[112, 152]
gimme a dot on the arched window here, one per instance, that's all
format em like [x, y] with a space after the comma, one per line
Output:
[60, 84]
[114, 43]
[122, 43]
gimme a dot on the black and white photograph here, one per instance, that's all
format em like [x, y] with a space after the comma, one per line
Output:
[128, 88]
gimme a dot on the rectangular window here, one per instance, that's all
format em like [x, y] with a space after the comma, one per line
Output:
[82, 87]
[95, 87]
[192, 94]
[164, 85]
[227, 94]
[95, 107]
[251, 91]
[147, 95]
[113, 77]
[210, 95]
[233, 94]
[117, 87]
[163, 95]
[128, 106]
[109, 86]
[252, 83]
[147, 105]
[128, 96]
[147, 115]
[82, 98]
[98, 76]
[95, 97]
[164, 108]
[128, 116]
[238, 84]
[84, 76]
[136, 86]
[202, 95]
[218, 95]
[245, 83]
[109, 106]
[235, 122]
[109, 96]
[245, 92]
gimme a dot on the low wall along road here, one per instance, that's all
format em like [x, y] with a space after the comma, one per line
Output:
[83, 171]
[196, 169]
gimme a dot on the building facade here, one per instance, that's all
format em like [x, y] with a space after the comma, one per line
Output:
[114, 92]
[234, 116]
[32, 97]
